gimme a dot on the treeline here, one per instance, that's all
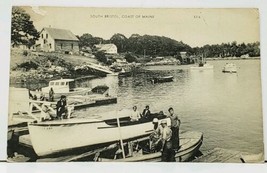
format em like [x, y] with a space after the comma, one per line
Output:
[164, 46]
[24, 32]
[229, 50]
[140, 45]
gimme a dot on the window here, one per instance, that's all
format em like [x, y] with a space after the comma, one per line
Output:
[51, 83]
[42, 36]
[61, 45]
[71, 45]
[57, 83]
[46, 35]
[62, 83]
[50, 46]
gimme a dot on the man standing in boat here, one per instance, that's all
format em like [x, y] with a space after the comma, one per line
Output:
[175, 124]
[61, 107]
[51, 94]
[168, 154]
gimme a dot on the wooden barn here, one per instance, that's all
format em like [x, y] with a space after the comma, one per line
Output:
[58, 40]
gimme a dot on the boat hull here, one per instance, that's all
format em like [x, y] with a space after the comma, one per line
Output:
[190, 142]
[61, 135]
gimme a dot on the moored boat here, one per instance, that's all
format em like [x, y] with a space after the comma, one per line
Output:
[229, 68]
[190, 142]
[62, 87]
[162, 79]
[202, 67]
[55, 136]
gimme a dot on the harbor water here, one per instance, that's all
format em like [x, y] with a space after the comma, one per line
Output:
[226, 107]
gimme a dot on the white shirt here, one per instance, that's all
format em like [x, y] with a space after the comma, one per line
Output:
[135, 115]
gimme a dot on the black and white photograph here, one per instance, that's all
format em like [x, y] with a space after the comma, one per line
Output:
[135, 85]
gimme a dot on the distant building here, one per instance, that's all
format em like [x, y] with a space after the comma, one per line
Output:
[59, 40]
[107, 48]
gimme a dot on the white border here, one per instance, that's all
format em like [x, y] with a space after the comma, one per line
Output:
[5, 10]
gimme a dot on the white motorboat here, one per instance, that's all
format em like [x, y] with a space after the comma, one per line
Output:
[230, 68]
[55, 136]
[62, 87]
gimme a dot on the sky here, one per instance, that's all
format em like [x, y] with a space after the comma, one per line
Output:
[195, 27]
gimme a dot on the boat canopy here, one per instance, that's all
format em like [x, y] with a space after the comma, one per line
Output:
[60, 82]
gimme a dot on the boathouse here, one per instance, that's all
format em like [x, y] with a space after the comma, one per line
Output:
[59, 40]
[106, 48]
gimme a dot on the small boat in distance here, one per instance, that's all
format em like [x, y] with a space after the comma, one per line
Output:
[229, 68]
[162, 79]
[62, 87]
[202, 65]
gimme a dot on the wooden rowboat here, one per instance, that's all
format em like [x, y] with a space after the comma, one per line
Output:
[190, 142]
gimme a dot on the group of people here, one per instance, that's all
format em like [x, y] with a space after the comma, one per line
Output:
[136, 116]
[51, 95]
[166, 139]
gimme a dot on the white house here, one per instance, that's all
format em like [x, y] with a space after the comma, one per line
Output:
[53, 39]
[107, 48]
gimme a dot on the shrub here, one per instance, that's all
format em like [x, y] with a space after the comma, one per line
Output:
[130, 58]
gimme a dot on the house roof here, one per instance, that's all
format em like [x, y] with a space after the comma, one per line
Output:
[104, 46]
[61, 34]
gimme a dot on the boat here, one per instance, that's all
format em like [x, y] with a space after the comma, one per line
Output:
[50, 137]
[229, 68]
[62, 87]
[162, 79]
[139, 151]
[202, 65]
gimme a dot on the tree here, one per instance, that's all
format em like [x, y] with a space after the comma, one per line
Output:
[101, 57]
[87, 40]
[130, 58]
[22, 28]
[120, 41]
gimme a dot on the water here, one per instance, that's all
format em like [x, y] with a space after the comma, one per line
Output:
[225, 107]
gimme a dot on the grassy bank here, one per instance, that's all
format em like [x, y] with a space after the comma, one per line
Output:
[37, 68]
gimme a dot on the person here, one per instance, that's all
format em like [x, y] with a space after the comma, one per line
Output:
[42, 97]
[30, 94]
[51, 94]
[168, 154]
[175, 124]
[146, 112]
[61, 107]
[135, 115]
[154, 142]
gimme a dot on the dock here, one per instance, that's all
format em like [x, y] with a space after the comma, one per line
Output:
[97, 102]
[220, 155]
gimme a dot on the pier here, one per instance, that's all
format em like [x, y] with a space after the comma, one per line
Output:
[221, 155]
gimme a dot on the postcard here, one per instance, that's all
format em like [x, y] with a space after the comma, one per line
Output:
[135, 85]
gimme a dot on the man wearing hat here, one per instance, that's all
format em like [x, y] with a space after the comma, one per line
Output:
[168, 154]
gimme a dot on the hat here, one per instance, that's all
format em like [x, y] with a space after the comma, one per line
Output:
[163, 122]
[155, 120]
